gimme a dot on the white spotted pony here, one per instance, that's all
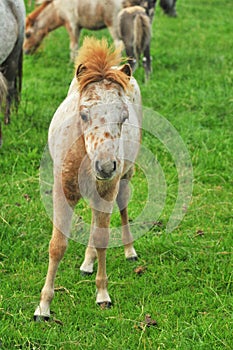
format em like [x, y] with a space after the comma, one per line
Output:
[94, 138]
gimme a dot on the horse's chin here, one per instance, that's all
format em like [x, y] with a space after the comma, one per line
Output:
[31, 50]
[100, 178]
[104, 179]
[28, 52]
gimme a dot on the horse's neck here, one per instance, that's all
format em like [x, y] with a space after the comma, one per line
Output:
[50, 19]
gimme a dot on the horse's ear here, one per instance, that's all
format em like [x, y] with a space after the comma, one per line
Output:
[126, 69]
[80, 70]
[29, 21]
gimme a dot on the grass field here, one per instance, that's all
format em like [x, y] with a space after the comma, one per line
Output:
[186, 280]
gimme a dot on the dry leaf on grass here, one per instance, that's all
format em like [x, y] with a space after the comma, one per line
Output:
[140, 270]
[200, 233]
[149, 321]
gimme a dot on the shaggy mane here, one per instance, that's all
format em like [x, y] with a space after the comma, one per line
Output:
[98, 59]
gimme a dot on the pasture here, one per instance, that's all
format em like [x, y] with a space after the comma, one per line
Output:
[182, 279]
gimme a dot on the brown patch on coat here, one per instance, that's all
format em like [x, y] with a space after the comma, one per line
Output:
[107, 134]
[70, 170]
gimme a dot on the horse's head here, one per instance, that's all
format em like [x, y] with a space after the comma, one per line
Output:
[37, 27]
[103, 111]
[33, 36]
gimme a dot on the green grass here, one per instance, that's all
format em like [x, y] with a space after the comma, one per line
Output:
[187, 284]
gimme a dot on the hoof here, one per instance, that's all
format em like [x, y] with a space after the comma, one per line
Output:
[85, 273]
[105, 305]
[40, 318]
[132, 258]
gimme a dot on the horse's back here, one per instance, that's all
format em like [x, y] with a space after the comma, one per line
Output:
[92, 14]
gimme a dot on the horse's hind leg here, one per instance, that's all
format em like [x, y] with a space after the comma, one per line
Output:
[147, 62]
[57, 247]
[127, 238]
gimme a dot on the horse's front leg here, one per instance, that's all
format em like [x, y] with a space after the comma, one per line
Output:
[99, 240]
[127, 238]
[90, 257]
[74, 33]
[57, 247]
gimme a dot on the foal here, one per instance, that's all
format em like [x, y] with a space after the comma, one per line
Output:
[94, 138]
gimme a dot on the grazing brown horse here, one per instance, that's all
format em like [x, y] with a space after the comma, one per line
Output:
[94, 138]
[12, 18]
[134, 29]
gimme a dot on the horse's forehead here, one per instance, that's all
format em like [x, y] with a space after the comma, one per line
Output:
[103, 106]
[104, 91]
[106, 115]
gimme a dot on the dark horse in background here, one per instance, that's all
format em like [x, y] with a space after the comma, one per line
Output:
[12, 18]
[169, 7]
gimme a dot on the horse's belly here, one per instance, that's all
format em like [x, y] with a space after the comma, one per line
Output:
[97, 14]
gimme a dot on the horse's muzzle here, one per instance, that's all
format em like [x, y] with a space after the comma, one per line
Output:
[105, 169]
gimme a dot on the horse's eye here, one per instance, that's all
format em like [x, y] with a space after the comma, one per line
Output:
[125, 115]
[84, 116]
[27, 35]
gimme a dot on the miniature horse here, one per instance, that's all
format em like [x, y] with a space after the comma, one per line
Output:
[94, 138]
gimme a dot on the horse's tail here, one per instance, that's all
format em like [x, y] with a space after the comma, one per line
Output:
[18, 79]
[3, 88]
[142, 33]
[3, 93]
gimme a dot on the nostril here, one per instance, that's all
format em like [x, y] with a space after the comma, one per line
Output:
[105, 169]
[97, 166]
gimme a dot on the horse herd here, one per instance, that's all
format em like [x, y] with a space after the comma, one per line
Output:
[94, 136]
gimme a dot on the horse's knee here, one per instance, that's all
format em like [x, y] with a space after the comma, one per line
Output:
[57, 248]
